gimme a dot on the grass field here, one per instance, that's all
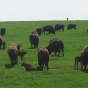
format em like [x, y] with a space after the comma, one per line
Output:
[61, 73]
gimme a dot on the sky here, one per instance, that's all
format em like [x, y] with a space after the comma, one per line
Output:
[37, 10]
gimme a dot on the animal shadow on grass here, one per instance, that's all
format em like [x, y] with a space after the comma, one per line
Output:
[85, 70]
[10, 65]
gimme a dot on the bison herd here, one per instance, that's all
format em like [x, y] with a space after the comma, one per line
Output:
[54, 47]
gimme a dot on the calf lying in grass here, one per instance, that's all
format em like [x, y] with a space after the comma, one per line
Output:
[77, 60]
[21, 53]
[52, 54]
[28, 67]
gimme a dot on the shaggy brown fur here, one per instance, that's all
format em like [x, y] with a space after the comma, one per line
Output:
[43, 57]
[28, 67]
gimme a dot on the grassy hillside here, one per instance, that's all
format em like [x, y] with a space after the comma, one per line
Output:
[61, 73]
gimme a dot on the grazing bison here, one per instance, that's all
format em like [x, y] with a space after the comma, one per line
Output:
[28, 67]
[84, 56]
[21, 53]
[13, 54]
[43, 57]
[3, 30]
[70, 26]
[34, 39]
[55, 45]
[39, 31]
[77, 60]
[59, 27]
[49, 29]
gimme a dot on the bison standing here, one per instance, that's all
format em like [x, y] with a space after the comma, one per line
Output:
[84, 56]
[43, 57]
[49, 29]
[13, 52]
[3, 30]
[70, 26]
[34, 39]
[55, 45]
[39, 31]
[59, 27]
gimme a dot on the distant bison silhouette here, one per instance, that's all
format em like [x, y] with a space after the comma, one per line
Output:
[43, 58]
[55, 45]
[70, 26]
[39, 30]
[34, 39]
[49, 29]
[59, 27]
[2, 31]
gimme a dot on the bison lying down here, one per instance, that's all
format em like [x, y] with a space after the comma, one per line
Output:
[43, 57]
[28, 67]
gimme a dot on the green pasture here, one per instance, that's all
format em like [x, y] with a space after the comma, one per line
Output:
[61, 73]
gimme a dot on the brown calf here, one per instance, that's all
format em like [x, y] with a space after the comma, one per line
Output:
[77, 60]
[28, 67]
[21, 53]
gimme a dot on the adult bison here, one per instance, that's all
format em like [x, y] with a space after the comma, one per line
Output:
[84, 56]
[70, 26]
[13, 52]
[59, 27]
[55, 45]
[2, 31]
[43, 57]
[39, 30]
[49, 29]
[34, 39]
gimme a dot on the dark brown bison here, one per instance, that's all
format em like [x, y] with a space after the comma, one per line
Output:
[21, 53]
[70, 26]
[28, 67]
[55, 45]
[3, 30]
[49, 29]
[59, 27]
[77, 60]
[13, 54]
[43, 58]
[84, 56]
[34, 39]
[39, 31]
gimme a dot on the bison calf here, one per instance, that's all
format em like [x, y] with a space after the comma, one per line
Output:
[77, 60]
[28, 67]
[22, 53]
